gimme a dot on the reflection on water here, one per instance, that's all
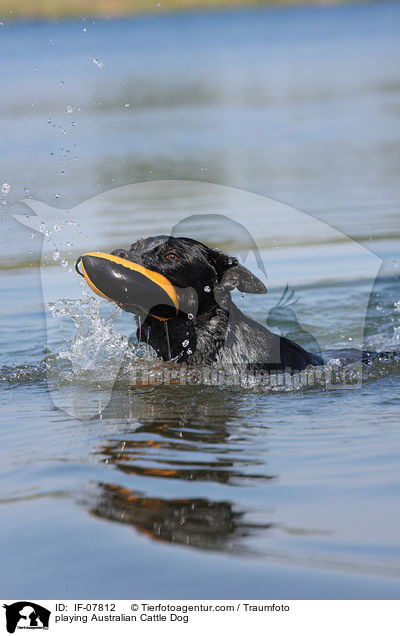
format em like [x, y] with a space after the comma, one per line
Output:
[183, 434]
[199, 523]
[188, 427]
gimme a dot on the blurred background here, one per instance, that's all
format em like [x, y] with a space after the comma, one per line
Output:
[109, 8]
[300, 104]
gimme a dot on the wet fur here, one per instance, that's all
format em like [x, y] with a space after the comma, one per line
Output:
[219, 334]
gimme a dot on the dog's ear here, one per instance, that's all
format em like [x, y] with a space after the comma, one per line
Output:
[241, 278]
[232, 275]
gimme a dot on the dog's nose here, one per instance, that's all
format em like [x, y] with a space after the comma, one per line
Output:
[122, 254]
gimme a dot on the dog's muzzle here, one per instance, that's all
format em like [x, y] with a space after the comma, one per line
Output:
[133, 287]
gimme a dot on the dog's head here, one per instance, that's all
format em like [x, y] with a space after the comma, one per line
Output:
[163, 276]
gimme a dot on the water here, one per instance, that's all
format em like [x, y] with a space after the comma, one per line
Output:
[201, 491]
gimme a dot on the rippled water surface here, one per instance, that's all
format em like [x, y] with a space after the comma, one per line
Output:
[114, 490]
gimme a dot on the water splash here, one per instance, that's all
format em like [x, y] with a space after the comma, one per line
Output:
[83, 365]
[5, 189]
[26, 374]
[97, 62]
[97, 349]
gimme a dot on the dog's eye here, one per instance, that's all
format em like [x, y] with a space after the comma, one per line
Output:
[172, 257]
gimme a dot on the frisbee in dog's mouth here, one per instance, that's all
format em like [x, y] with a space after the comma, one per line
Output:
[133, 287]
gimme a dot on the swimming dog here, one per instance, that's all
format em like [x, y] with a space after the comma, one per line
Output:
[180, 291]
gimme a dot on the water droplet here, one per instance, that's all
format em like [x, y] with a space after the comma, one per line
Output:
[230, 261]
[189, 352]
[185, 343]
[57, 195]
[5, 188]
[64, 263]
[97, 62]
[207, 288]
[395, 264]
[56, 255]
[42, 226]
[33, 235]
[57, 228]
[190, 316]
[127, 105]
[70, 109]
[70, 244]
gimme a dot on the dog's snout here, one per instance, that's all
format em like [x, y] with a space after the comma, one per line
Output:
[122, 253]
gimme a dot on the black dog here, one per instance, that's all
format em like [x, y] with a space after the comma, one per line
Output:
[201, 324]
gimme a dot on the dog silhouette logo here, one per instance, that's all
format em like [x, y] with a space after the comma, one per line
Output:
[81, 375]
[26, 615]
[282, 318]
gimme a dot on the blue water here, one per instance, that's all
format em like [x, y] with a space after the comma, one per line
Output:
[188, 491]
